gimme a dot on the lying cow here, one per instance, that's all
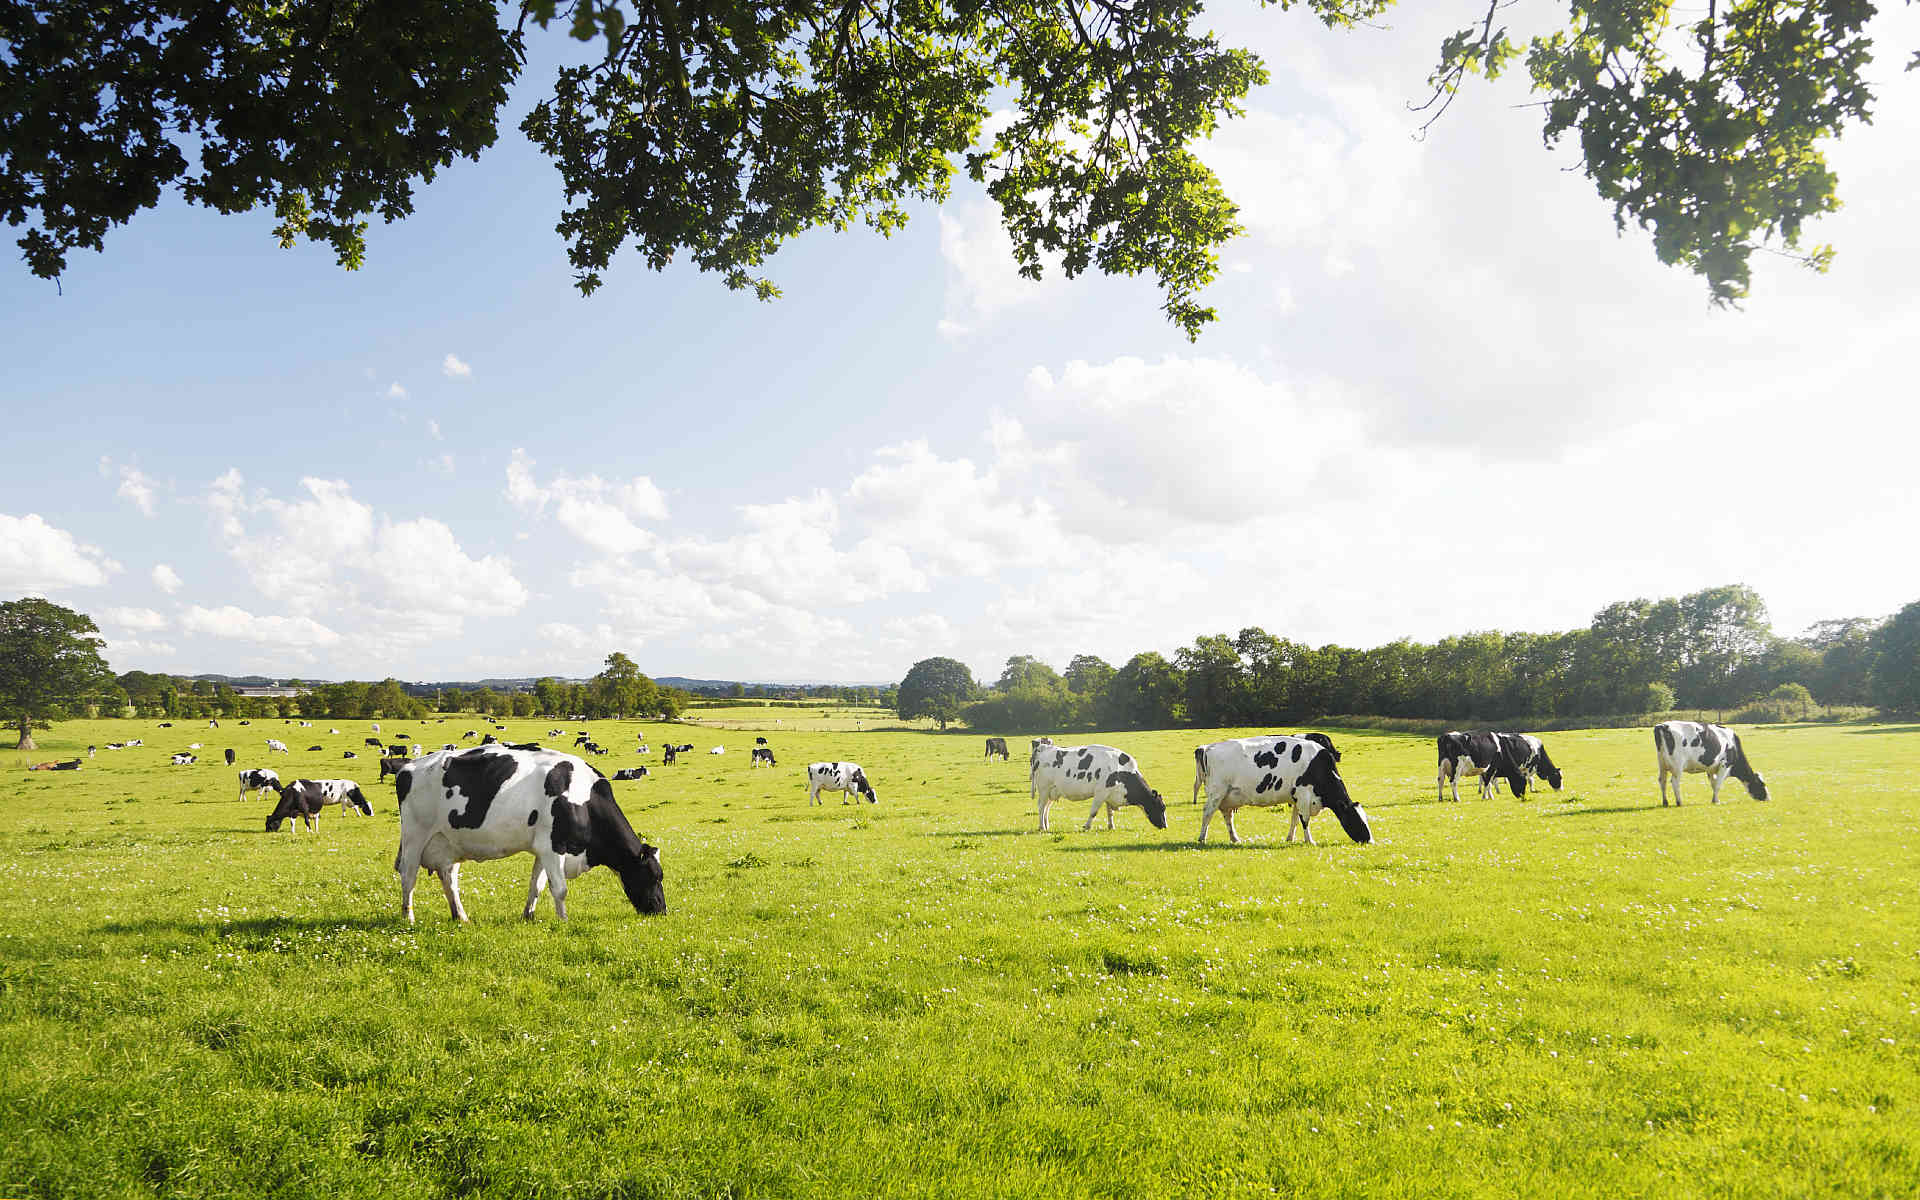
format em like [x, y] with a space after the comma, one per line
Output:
[261, 779]
[844, 777]
[1102, 774]
[626, 773]
[1689, 747]
[1277, 769]
[718, 750]
[490, 802]
[303, 799]
[1483, 753]
[997, 746]
[762, 754]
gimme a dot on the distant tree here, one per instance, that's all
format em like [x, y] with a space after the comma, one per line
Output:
[1146, 693]
[1024, 670]
[1793, 697]
[387, 699]
[1658, 698]
[49, 658]
[936, 688]
[1215, 680]
[1895, 684]
[550, 697]
[621, 689]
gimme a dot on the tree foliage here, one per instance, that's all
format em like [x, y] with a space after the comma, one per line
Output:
[1895, 681]
[49, 659]
[717, 130]
[937, 688]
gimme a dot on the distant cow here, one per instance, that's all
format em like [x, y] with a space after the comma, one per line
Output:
[183, 760]
[844, 777]
[759, 741]
[1481, 753]
[669, 754]
[272, 745]
[718, 750]
[1110, 778]
[998, 746]
[1277, 769]
[762, 754]
[490, 802]
[303, 799]
[261, 779]
[1689, 747]
[311, 749]
[350, 754]
[398, 749]
[471, 733]
[391, 764]
[582, 738]
[376, 727]
[630, 773]
[166, 724]
[376, 743]
[193, 745]
[229, 756]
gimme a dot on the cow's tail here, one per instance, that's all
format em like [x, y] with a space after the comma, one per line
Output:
[1199, 772]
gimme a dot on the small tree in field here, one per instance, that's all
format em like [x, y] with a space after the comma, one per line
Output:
[1790, 696]
[49, 656]
[936, 687]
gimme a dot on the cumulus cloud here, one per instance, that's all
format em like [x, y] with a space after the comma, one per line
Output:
[118, 650]
[36, 556]
[433, 428]
[453, 368]
[396, 392]
[602, 513]
[983, 281]
[166, 578]
[136, 620]
[228, 621]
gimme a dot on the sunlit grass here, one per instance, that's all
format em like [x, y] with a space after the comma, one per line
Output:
[1582, 994]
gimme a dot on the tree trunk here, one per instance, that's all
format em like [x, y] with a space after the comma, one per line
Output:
[26, 735]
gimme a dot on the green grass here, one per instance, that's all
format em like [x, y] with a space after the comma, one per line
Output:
[1580, 995]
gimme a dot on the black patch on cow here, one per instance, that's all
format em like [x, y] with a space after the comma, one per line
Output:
[1545, 766]
[229, 757]
[559, 778]
[1710, 746]
[1296, 751]
[1059, 758]
[479, 775]
[859, 781]
[402, 784]
[572, 831]
[1331, 790]
[359, 800]
[533, 818]
[1142, 796]
[1267, 782]
[1266, 758]
[1743, 770]
[524, 746]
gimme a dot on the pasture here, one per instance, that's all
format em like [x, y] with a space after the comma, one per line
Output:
[1579, 995]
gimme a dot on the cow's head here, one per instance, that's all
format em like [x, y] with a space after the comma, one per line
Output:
[1331, 791]
[866, 789]
[1138, 793]
[645, 882]
[1548, 771]
[359, 800]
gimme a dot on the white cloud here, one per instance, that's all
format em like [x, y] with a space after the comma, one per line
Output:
[36, 556]
[396, 392]
[453, 368]
[228, 621]
[118, 650]
[439, 464]
[166, 578]
[433, 428]
[136, 620]
[601, 513]
[439, 576]
[983, 281]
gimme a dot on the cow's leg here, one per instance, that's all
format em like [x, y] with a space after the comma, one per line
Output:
[1293, 818]
[408, 864]
[535, 886]
[450, 884]
[556, 872]
[1044, 803]
[1456, 781]
[1206, 815]
[1717, 778]
[1676, 788]
[1094, 812]
[1440, 785]
[1233, 835]
[1306, 831]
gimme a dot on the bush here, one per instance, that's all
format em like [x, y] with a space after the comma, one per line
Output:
[1659, 699]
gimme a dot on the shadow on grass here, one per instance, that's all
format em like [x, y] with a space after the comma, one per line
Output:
[1882, 729]
[1617, 808]
[256, 926]
[1170, 846]
[976, 833]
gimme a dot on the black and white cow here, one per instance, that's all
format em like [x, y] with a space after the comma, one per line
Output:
[1260, 772]
[1529, 753]
[397, 750]
[844, 777]
[351, 754]
[626, 773]
[273, 744]
[184, 760]
[391, 764]
[229, 756]
[583, 738]
[759, 741]
[998, 747]
[1483, 753]
[376, 743]
[1689, 747]
[718, 750]
[310, 749]
[303, 799]
[261, 780]
[1101, 774]
[762, 754]
[490, 802]
[471, 733]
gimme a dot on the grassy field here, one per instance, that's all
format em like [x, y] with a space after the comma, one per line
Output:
[793, 716]
[1580, 995]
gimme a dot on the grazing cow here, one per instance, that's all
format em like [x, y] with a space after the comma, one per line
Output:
[261, 779]
[582, 738]
[471, 733]
[838, 777]
[490, 802]
[350, 754]
[1276, 769]
[398, 749]
[213, 724]
[667, 756]
[762, 754]
[1482, 753]
[273, 745]
[1684, 747]
[303, 799]
[1101, 774]
[448, 746]
[166, 724]
[1530, 754]
[311, 749]
[625, 773]
[184, 760]
[391, 765]
[718, 750]
[759, 741]
[376, 743]
[997, 746]
[91, 749]
[229, 755]
[489, 740]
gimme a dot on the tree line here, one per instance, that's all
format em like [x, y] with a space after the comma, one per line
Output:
[1712, 649]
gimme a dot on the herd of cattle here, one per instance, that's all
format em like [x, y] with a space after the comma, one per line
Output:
[502, 798]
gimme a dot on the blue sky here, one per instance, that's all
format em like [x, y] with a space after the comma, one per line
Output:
[1443, 396]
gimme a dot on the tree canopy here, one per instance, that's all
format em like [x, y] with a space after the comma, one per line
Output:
[935, 687]
[49, 658]
[719, 130]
